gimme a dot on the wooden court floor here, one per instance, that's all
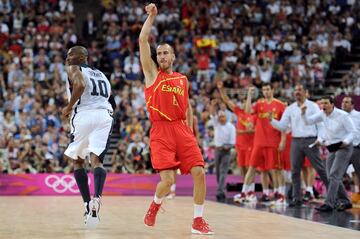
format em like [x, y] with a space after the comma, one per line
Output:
[121, 217]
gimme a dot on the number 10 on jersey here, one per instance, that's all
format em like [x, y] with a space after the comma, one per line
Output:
[102, 88]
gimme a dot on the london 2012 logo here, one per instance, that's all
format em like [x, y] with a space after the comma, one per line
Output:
[61, 184]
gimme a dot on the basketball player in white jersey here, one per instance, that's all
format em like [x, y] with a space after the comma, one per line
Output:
[91, 122]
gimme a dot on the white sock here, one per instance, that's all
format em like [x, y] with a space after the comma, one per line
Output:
[252, 187]
[283, 190]
[310, 190]
[266, 191]
[158, 200]
[245, 188]
[173, 188]
[356, 188]
[198, 210]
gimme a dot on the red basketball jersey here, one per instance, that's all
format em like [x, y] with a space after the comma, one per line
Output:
[167, 98]
[265, 134]
[244, 121]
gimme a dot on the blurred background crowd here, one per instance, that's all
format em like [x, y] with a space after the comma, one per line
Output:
[241, 43]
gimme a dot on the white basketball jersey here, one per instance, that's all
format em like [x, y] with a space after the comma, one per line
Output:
[97, 90]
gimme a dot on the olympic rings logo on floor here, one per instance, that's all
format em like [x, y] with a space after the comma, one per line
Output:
[61, 184]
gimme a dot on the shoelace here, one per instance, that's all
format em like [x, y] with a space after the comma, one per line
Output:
[153, 210]
[204, 225]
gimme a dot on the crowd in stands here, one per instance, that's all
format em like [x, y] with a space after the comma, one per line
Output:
[241, 43]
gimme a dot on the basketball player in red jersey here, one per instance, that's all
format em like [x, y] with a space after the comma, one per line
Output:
[244, 142]
[244, 131]
[172, 142]
[268, 143]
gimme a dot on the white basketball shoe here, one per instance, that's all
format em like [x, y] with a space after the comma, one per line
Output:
[86, 212]
[92, 218]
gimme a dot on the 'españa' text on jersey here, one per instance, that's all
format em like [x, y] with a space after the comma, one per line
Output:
[167, 97]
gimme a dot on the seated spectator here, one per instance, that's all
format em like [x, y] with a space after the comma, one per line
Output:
[118, 159]
[134, 127]
[137, 144]
[118, 78]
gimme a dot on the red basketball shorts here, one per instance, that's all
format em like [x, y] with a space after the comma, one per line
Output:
[243, 156]
[173, 146]
[265, 158]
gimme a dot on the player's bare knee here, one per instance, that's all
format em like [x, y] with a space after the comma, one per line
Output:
[95, 161]
[78, 163]
[167, 178]
[198, 172]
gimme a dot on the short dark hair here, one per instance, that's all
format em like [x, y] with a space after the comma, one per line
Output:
[328, 97]
[350, 97]
[266, 84]
[80, 50]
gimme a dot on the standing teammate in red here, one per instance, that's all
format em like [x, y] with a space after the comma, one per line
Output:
[172, 142]
[244, 132]
[268, 143]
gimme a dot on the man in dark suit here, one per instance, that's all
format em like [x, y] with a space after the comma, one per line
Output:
[89, 28]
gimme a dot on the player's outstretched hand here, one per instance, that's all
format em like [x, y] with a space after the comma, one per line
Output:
[66, 112]
[151, 9]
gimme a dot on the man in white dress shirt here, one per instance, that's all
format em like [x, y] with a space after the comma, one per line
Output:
[224, 137]
[348, 106]
[302, 136]
[338, 137]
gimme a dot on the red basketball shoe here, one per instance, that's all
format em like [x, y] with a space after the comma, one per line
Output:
[200, 226]
[150, 216]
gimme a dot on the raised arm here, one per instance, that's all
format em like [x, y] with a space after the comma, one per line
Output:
[251, 91]
[77, 88]
[224, 97]
[148, 65]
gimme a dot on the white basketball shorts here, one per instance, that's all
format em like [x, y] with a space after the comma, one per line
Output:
[90, 130]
